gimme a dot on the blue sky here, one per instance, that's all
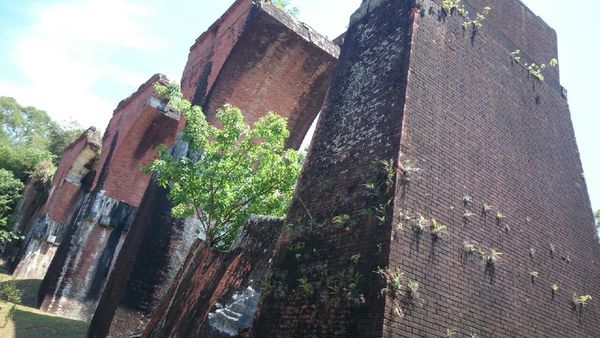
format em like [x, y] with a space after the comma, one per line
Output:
[77, 59]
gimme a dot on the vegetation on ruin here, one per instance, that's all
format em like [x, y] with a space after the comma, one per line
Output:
[400, 290]
[284, 5]
[597, 217]
[535, 70]
[230, 171]
[449, 7]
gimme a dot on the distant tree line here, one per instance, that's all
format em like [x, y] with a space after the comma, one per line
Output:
[31, 143]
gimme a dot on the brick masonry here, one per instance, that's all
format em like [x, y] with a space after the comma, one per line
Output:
[259, 59]
[411, 84]
[80, 268]
[216, 293]
[45, 227]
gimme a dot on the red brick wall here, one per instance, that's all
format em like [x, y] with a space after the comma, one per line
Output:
[209, 276]
[222, 65]
[211, 50]
[130, 142]
[258, 59]
[63, 194]
[476, 124]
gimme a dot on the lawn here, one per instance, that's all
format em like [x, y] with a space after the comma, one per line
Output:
[29, 322]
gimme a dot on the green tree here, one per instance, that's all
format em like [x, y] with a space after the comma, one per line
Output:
[10, 191]
[29, 136]
[597, 216]
[235, 170]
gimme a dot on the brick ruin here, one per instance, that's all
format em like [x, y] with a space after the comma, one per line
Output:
[50, 208]
[80, 267]
[421, 117]
[412, 85]
[258, 59]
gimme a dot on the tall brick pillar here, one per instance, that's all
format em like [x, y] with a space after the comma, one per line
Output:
[492, 156]
[45, 229]
[78, 273]
[259, 59]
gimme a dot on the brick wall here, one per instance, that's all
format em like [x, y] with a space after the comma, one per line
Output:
[221, 68]
[130, 142]
[82, 263]
[412, 85]
[212, 281]
[45, 229]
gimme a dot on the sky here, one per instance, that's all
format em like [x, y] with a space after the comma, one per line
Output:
[77, 59]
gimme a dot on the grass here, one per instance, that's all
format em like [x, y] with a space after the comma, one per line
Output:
[29, 322]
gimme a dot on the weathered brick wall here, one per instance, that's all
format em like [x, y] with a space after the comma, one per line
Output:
[359, 126]
[46, 229]
[477, 125]
[81, 266]
[221, 68]
[216, 293]
[135, 130]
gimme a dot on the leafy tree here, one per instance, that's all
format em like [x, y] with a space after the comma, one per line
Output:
[10, 191]
[29, 136]
[597, 216]
[235, 171]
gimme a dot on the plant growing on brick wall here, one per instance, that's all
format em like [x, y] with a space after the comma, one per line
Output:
[468, 215]
[493, 256]
[534, 275]
[450, 332]
[516, 55]
[579, 302]
[554, 289]
[536, 70]
[467, 199]
[532, 252]
[355, 258]
[412, 290]
[341, 220]
[499, 217]
[404, 217]
[486, 208]
[477, 23]
[381, 211]
[420, 223]
[407, 170]
[451, 6]
[389, 173]
[398, 289]
[437, 229]
[552, 250]
[240, 170]
[469, 247]
[305, 286]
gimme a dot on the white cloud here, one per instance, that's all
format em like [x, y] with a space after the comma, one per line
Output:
[65, 52]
